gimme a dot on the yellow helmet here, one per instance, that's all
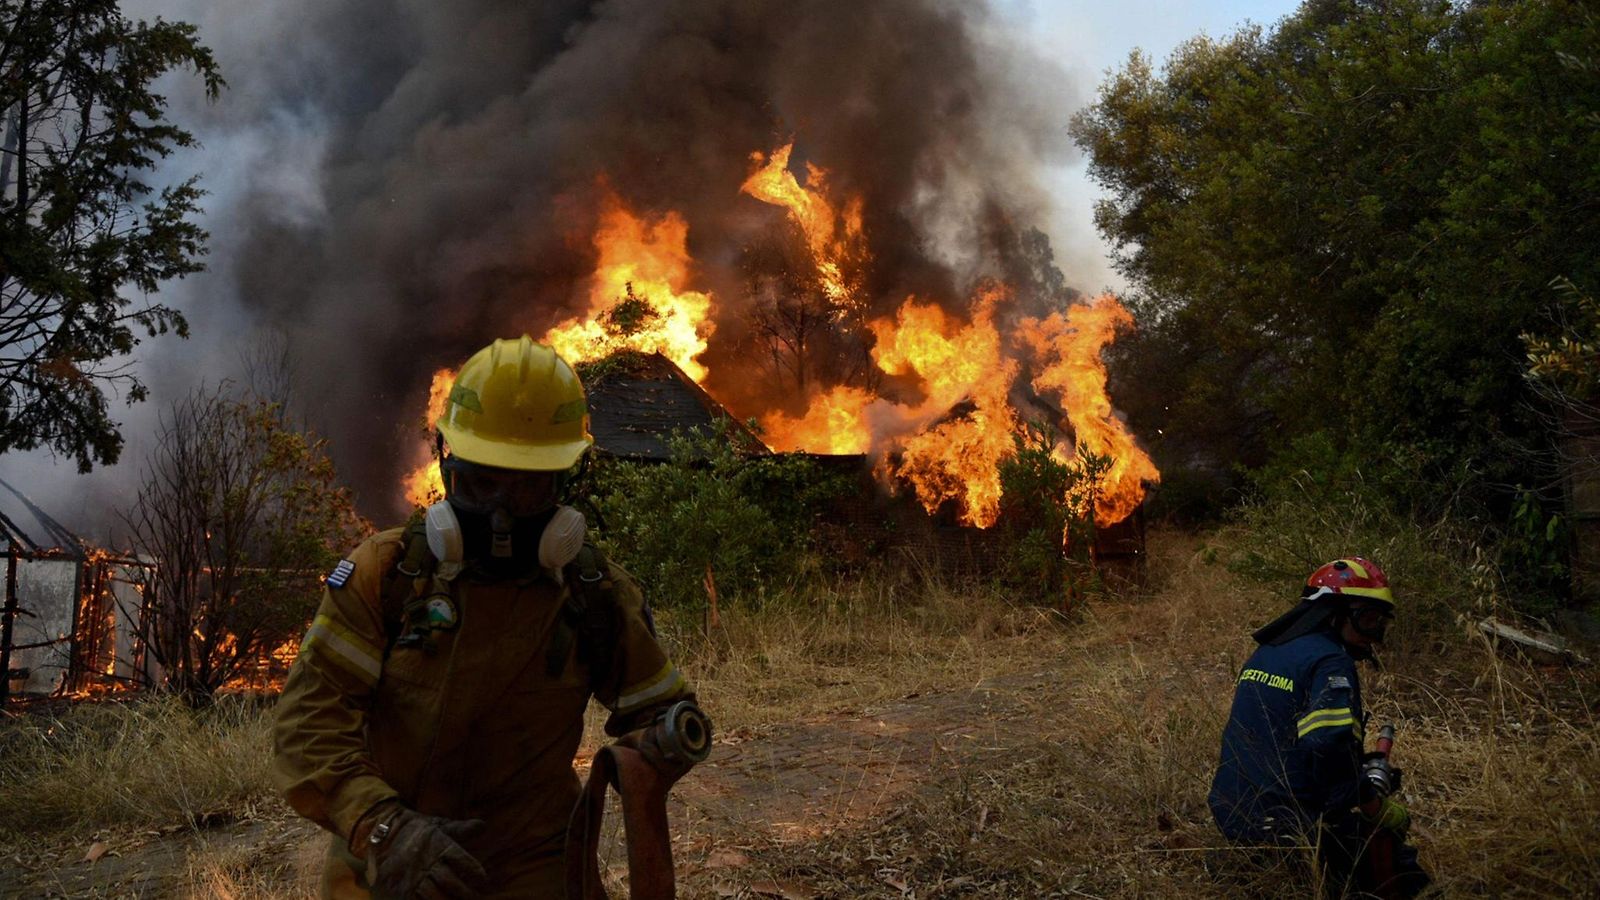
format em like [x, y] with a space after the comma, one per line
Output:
[517, 405]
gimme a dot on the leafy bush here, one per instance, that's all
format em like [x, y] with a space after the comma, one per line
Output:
[1047, 507]
[1404, 489]
[745, 519]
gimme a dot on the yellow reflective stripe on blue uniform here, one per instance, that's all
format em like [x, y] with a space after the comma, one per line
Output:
[664, 683]
[346, 648]
[1325, 718]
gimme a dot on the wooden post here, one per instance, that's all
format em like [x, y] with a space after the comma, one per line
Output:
[713, 618]
[6, 619]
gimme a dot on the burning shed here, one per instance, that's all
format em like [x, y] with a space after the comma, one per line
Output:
[71, 611]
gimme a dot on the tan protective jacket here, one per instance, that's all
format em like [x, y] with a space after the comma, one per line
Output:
[472, 728]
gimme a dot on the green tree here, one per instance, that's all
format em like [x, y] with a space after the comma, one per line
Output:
[1343, 225]
[80, 127]
[241, 512]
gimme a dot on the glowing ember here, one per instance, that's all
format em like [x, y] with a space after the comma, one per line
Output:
[641, 261]
[1067, 349]
[832, 237]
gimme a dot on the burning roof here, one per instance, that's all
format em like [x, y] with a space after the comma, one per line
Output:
[636, 408]
[31, 530]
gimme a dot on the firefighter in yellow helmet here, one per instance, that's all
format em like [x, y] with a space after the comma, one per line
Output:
[432, 716]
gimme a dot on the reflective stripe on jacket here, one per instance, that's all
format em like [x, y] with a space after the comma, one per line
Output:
[470, 725]
[1291, 750]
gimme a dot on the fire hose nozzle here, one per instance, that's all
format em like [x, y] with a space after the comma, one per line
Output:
[684, 734]
[1377, 773]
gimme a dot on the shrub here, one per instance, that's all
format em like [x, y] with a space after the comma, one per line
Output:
[745, 519]
[1047, 507]
[1438, 568]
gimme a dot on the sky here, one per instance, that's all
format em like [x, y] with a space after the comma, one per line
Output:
[1087, 39]
[1090, 39]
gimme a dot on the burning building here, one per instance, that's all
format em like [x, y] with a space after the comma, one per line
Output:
[70, 619]
[936, 396]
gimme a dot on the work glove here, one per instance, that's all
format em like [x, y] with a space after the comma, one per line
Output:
[1392, 817]
[410, 855]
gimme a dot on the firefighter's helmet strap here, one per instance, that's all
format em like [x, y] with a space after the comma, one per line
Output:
[405, 588]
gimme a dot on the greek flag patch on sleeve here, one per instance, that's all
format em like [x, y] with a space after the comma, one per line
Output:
[1338, 681]
[340, 574]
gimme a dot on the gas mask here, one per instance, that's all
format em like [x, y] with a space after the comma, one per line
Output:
[504, 520]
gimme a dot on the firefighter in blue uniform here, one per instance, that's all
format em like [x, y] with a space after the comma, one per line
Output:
[1290, 768]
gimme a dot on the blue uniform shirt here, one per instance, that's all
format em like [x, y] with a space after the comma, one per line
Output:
[1292, 748]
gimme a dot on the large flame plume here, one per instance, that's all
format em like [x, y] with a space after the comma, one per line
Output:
[958, 457]
[1067, 350]
[832, 235]
[640, 261]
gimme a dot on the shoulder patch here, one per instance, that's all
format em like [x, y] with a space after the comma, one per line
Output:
[1338, 681]
[340, 574]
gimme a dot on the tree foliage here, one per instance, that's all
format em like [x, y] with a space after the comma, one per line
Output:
[240, 512]
[1344, 224]
[80, 129]
[1567, 362]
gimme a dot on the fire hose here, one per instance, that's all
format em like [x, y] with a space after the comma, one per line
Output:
[681, 737]
[1378, 777]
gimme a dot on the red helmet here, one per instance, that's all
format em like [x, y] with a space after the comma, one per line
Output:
[1352, 577]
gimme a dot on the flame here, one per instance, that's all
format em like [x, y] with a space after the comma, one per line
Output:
[266, 672]
[647, 260]
[831, 236]
[965, 366]
[1068, 350]
[835, 422]
[958, 458]
[425, 485]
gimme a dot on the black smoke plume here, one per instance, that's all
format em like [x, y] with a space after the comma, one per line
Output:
[464, 144]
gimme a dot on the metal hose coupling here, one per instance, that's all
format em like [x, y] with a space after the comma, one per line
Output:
[684, 733]
[1376, 770]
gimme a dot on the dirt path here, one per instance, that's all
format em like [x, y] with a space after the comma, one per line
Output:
[784, 783]
[799, 778]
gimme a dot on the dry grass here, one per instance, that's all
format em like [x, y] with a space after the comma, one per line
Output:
[146, 763]
[223, 870]
[826, 647]
[1104, 795]
[1099, 791]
